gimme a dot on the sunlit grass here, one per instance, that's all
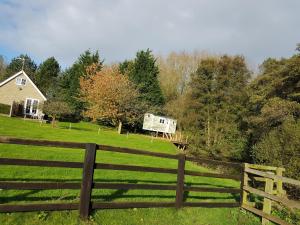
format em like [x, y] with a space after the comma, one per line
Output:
[87, 132]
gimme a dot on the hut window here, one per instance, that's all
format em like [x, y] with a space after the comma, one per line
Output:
[161, 121]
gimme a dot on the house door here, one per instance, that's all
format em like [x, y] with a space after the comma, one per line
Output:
[31, 106]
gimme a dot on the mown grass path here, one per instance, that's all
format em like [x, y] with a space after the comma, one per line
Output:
[87, 132]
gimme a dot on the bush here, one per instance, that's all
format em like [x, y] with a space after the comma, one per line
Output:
[4, 109]
[292, 217]
[56, 109]
[280, 147]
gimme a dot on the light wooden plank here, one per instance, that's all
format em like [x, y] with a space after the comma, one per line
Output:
[286, 202]
[274, 177]
[263, 167]
[262, 214]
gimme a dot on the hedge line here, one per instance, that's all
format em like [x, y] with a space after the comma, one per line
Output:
[4, 109]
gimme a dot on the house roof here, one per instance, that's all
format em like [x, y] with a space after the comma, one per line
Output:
[19, 73]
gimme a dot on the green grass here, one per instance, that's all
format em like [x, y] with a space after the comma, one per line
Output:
[87, 132]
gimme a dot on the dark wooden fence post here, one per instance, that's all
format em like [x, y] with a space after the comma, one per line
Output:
[87, 180]
[180, 181]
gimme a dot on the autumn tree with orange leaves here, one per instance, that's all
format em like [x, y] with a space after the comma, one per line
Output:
[110, 95]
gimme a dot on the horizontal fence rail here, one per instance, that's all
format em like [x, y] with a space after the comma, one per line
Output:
[75, 145]
[58, 144]
[46, 163]
[273, 176]
[87, 184]
[38, 207]
[38, 185]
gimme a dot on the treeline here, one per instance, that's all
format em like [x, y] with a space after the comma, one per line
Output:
[122, 93]
[226, 110]
[230, 113]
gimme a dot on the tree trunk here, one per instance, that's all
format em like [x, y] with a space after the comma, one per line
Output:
[53, 121]
[208, 130]
[216, 133]
[120, 127]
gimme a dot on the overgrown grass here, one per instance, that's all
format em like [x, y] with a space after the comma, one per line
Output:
[87, 132]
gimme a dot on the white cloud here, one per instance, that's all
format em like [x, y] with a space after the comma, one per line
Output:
[118, 28]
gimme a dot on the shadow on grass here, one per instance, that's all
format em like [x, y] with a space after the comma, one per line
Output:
[118, 194]
[133, 181]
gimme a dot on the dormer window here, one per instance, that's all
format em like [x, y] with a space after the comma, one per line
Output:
[20, 81]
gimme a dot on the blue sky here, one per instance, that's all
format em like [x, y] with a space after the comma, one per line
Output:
[118, 28]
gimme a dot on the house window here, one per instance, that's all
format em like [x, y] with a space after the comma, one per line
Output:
[161, 121]
[31, 106]
[20, 81]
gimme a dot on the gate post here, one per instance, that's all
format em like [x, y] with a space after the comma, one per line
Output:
[87, 180]
[244, 183]
[279, 185]
[180, 181]
[267, 205]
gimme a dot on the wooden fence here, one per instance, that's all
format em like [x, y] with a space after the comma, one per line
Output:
[85, 205]
[272, 180]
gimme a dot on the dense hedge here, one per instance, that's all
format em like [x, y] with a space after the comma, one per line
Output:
[280, 147]
[4, 109]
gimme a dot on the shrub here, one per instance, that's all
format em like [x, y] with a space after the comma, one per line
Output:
[56, 109]
[4, 109]
[280, 147]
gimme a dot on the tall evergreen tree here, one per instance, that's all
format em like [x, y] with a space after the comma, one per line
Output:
[47, 75]
[143, 72]
[70, 87]
[16, 65]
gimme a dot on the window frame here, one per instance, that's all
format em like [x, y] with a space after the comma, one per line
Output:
[19, 81]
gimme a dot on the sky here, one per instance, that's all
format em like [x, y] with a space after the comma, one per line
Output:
[64, 29]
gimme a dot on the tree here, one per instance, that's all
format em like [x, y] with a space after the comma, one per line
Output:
[110, 95]
[298, 47]
[175, 71]
[16, 65]
[273, 112]
[217, 102]
[277, 87]
[174, 76]
[47, 75]
[70, 87]
[56, 109]
[125, 66]
[280, 147]
[143, 72]
[2, 68]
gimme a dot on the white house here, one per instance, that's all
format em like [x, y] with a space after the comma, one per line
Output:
[159, 124]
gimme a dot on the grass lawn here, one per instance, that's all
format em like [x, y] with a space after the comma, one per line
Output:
[87, 132]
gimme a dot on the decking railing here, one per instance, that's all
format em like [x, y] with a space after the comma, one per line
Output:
[88, 166]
